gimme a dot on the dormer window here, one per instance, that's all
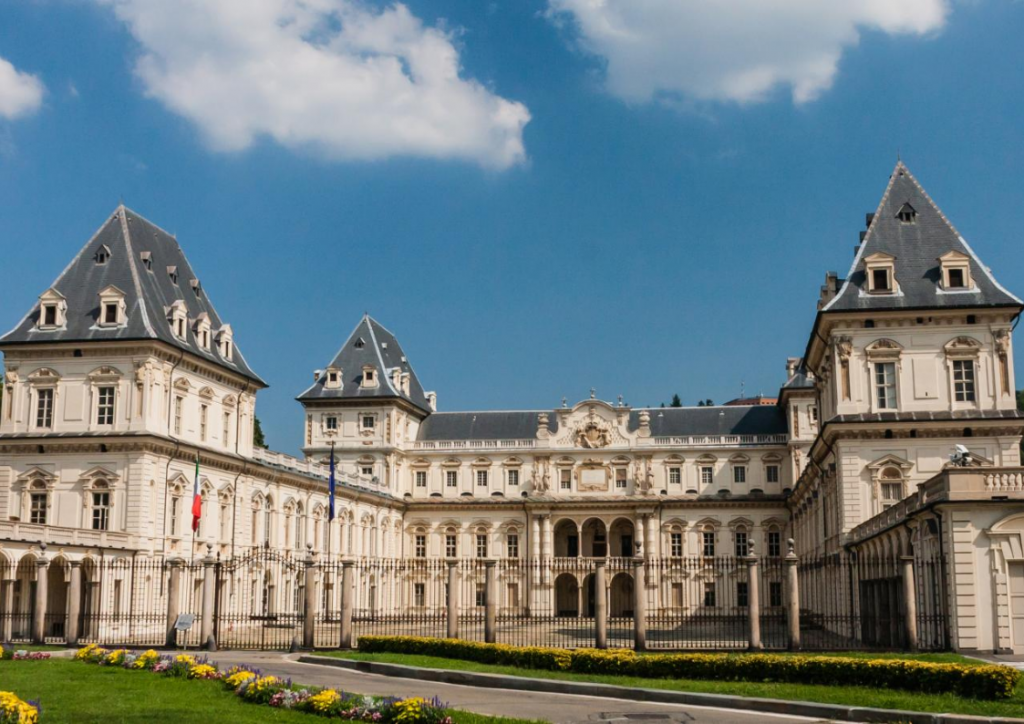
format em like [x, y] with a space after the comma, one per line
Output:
[147, 259]
[172, 273]
[177, 315]
[369, 376]
[880, 269]
[359, 344]
[202, 330]
[906, 214]
[112, 307]
[225, 343]
[333, 380]
[103, 254]
[197, 288]
[52, 310]
[956, 271]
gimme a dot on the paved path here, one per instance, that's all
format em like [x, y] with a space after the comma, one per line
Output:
[559, 708]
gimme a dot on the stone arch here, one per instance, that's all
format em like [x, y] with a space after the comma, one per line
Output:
[567, 602]
[621, 596]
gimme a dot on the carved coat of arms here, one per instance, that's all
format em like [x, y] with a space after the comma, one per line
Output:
[593, 434]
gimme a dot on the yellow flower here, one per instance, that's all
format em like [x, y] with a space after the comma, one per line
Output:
[201, 671]
[146, 659]
[322, 701]
[15, 710]
[238, 678]
[410, 710]
[185, 659]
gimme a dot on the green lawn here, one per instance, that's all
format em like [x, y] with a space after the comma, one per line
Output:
[78, 693]
[851, 695]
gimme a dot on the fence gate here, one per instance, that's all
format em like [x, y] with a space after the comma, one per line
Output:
[259, 601]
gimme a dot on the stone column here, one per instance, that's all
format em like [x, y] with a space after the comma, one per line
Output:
[649, 548]
[309, 612]
[547, 548]
[74, 603]
[39, 614]
[754, 600]
[910, 602]
[491, 602]
[8, 590]
[453, 599]
[347, 603]
[537, 551]
[641, 535]
[792, 597]
[639, 605]
[600, 605]
[173, 601]
[209, 599]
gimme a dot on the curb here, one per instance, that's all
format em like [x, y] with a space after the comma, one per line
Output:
[661, 696]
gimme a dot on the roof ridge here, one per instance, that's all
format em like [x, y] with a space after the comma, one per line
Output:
[380, 358]
[151, 223]
[134, 271]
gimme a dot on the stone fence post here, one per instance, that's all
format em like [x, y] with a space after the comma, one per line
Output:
[792, 596]
[209, 599]
[453, 599]
[309, 604]
[74, 603]
[347, 602]
[491, 601]
[910, 602]
[600, 605]
[39, 614]
[754, 600]
[173, 601]
[639, 605]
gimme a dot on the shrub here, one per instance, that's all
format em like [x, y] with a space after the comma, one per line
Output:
[979, 682]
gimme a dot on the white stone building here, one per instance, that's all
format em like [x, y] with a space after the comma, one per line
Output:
[122, 375]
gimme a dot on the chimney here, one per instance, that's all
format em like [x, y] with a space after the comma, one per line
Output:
[432, 401]
[316, 374]
[792, 364]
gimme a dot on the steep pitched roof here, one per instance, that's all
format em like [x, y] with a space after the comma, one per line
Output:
[511, 425]
[916, 247]
[372, 345]
[128, 239]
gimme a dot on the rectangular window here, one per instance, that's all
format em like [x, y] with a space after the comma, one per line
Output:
[37, 509]
[565, 479]
[742, 549]
[225, 522]
[226, 432]
[739, 474]
[771, 473]
[451, 478]
[885, 385]
[421, 546]
[50, 315]
[709, 593]
[204, 415]
[100, 511]
[481, 478]
[513, 595]
[742, 598]
[892, 493]
[105, 406]
[481, 545]
[775, 593]
[963, 380]
[368, 422]
[44, 408]
[774, 543]
[708, 547]
[676, 545]
[331, 423]
[675, 476]
[814, 415]
[367, 471]
[419, 595]
[481, 596]
[178, 404]
[880, 277]
[707, 475]
[956, 279]
[620, 478]
[110, 314]
[421, 478]
[513, 477]
[512, 547]
[451, 545]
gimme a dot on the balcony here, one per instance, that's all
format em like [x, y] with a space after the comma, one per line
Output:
[473, 444]
[54, 535]
[699, 441]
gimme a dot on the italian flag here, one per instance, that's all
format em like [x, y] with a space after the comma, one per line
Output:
[197, 500]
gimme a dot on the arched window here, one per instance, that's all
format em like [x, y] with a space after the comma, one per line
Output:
[101, 504]
[300, 526]
[512, 543]
[268, 520]
[39, 503]
[890, 489]
[707, 541]
[451, 542]
[741, 539]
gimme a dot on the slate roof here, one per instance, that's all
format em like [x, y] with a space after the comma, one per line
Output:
[148, 293]
[917, 247]
[369, 344]
[800, 380]
[665, 422]
[938, 416]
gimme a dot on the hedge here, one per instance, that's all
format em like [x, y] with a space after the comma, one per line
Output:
[978, 682]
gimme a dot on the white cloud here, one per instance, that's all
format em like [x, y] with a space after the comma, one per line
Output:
[21, 94]
[333, 76]
[733, 50]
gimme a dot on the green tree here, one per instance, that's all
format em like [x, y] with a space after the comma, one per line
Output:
[257, 435]
[706, 403]
[676, 402]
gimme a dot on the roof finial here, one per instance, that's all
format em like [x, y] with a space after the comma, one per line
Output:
[593, 393]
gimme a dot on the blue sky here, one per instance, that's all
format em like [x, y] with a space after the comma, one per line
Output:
[535, 197]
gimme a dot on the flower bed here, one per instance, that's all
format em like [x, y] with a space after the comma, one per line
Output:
[10, 654]
[15, 711]
[254, 687]
[979, 682]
